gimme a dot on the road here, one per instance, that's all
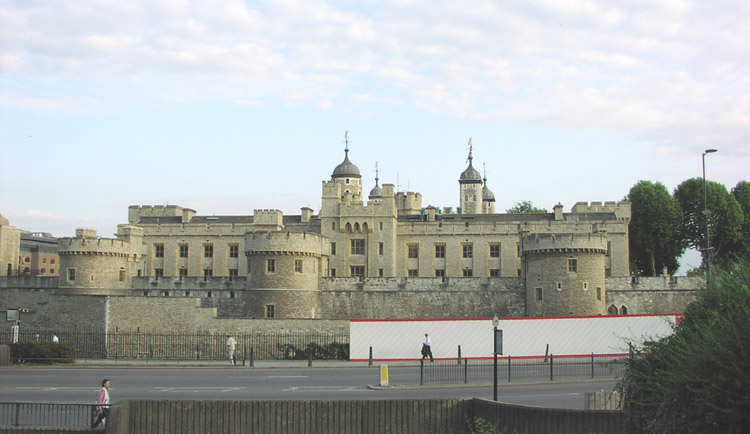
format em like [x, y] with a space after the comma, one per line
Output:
[81, 385]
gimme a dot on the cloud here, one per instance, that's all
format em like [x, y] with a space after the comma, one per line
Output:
[670, 71]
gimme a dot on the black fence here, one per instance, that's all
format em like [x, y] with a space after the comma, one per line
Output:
[46, 414]
[198, 346]
[521, 369]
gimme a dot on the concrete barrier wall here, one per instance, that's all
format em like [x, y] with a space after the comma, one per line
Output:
[275, 417]
[4, 355]
[520, 419]
[450, 416]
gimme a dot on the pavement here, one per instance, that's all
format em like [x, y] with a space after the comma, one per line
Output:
[224, 364]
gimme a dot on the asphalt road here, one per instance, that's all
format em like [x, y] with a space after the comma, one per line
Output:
[81, 385]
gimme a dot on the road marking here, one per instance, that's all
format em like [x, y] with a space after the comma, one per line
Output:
[286, 376]
[198, 389]
[314, 388]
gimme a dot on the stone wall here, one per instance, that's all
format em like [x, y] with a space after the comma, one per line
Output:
[48, 310]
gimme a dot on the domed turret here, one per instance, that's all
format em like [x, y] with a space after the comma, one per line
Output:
[347, 175]
[346, 169]
[376, 192]
[488, 198]
[471, 193]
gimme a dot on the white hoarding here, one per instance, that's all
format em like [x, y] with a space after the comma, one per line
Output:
[522, 337]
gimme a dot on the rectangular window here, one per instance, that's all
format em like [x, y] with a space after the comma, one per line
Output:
[333, 272]
[208, 250]
[468, 272]
[439, 272]
[440, 250]
[233, 272]
[270, 265]
[599, 293]
[158, 272]
[573, 265]
[208, 272]
[380, 272]
[358, 247]
[413, 251]
[468, 251]
[538, 294]
[585, 286]
[494, 250]
[559, 286]
[183, 272]
[333, 226]
[494, 272]
[518, 250]
[270, 311]
[122, 275]
[333, 249]
[380, 249]
[357, 271]
[234, 251]
[158, 250]
[183, 250]
[298, 266]
[413, 273]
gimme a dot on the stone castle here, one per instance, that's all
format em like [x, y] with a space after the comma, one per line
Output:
[383, 257]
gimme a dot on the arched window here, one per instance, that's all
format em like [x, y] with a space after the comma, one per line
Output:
[348, 228]
[612, 310]
[356, 227]
[623, 310]
[364, 227]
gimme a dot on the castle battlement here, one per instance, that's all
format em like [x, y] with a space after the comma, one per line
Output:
[540, 242]
[280, 242]
[136, 212]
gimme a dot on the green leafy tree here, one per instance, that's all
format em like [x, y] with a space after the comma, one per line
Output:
[741, 193]
[724, 218]
[525, 207]
[655, 229]
[696, 380]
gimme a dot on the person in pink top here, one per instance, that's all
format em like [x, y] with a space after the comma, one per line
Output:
[102, 410]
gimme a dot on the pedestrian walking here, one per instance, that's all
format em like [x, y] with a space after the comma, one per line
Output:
[427, 348]
[55, 339]
[231, 346]
[102, 410]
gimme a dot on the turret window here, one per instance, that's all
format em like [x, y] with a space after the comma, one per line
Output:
[573, 265]
[270, 265]
[298, 266]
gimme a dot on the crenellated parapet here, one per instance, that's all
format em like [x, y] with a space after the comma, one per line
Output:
[138, 212]
[564, 243]
[621, 209]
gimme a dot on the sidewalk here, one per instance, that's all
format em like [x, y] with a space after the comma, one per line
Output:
[224, 364]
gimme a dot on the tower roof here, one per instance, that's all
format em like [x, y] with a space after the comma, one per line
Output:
[376, 191]
[470, 175]
[487, 195]
[346, 169]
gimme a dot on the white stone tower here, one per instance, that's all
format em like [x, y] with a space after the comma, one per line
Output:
[471, 188]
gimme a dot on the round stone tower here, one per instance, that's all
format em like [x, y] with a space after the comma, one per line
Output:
[565, 274]
[88, 261]
[283, 269]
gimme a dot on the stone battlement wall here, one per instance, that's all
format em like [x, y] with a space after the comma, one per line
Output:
[303, 243]
[135, 212]
[556, 242]
[93, 246]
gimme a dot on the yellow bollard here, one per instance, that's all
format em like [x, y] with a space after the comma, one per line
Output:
[384, 375]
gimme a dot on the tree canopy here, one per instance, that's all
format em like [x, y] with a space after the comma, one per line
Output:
[696, 380]
[655, 229]
[525, 207]
[724, 219]
[741, 193]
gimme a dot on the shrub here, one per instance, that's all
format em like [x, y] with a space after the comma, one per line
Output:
[43, 352]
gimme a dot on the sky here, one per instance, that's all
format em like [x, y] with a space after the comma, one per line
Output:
[229, 106]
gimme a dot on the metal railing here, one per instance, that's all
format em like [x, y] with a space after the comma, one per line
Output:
[46, 414]
[522, 369]
[196, 346]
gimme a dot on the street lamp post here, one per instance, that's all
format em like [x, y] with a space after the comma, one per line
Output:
[495, 352]
[706, 212]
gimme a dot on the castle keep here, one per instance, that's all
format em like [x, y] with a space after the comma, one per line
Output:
[380, 255]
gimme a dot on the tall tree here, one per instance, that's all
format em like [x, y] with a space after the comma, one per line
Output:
[696, 380]
[724, 218]
[655, 229]
[525, 207]
[741, 193]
